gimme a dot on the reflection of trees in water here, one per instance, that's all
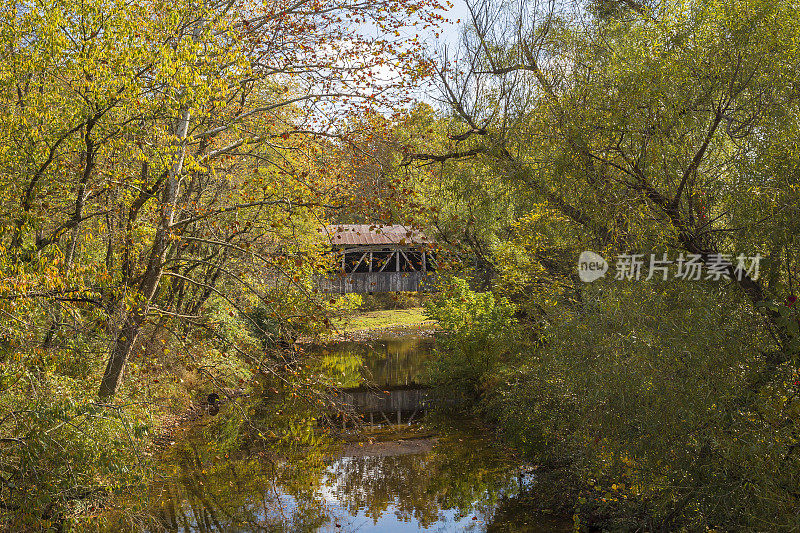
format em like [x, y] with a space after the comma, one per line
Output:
[248, 494]
[466, 475]
[389, 361]
[374, 483]
[343, 367]
[204, 490]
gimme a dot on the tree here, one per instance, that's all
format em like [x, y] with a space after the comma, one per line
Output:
[665, 128]
[137, 123]
[655, 128]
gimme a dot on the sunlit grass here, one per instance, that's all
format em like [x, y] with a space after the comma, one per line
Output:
[383, 319]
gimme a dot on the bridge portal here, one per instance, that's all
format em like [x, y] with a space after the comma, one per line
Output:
[379, 258]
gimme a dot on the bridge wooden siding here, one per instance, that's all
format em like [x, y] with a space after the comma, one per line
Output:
[378, 258]
[366, 282]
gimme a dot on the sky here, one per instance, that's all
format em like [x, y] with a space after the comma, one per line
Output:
[449, 35]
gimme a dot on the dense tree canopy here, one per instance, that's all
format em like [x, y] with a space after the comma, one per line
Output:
[165, 169]
[630, 128]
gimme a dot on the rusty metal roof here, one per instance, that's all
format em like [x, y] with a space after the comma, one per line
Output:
[374, 234]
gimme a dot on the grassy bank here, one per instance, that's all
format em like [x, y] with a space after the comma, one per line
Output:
[383, 319]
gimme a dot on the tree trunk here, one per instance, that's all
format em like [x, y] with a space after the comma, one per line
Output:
[135, 319]
[126, 339]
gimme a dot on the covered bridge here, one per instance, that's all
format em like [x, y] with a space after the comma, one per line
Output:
[378, 258]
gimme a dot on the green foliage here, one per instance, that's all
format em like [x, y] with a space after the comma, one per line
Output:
[479, 334]
[346, 303]
[264, 325]
[470, 315]
[388, 300]
[62, 451]
[160, 186]
[643, 127]
[639, 393]
[788, 320]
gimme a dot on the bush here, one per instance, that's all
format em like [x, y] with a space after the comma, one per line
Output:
[391, 300]
[656, 396]
[478, 334]
[61, 452]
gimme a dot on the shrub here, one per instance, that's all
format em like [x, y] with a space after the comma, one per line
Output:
[479, 332]
[655, 395]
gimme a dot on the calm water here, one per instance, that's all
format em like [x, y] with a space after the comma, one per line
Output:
[383, 361]
[408, 479]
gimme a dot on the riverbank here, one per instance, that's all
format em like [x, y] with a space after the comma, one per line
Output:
[390, 441]
[383, 319]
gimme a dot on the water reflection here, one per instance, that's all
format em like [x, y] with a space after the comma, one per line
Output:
[452, 484]
[385, 361]
[454, 487]
[202, 492]
[396, 479]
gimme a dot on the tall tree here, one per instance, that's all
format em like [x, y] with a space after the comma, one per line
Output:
[136, 124]
[660, 124]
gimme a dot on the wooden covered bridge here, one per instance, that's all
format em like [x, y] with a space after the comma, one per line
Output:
[378, 258]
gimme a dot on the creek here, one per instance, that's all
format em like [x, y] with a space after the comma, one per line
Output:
[430, 475]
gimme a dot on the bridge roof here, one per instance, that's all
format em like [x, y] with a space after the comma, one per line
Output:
[374, 234]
